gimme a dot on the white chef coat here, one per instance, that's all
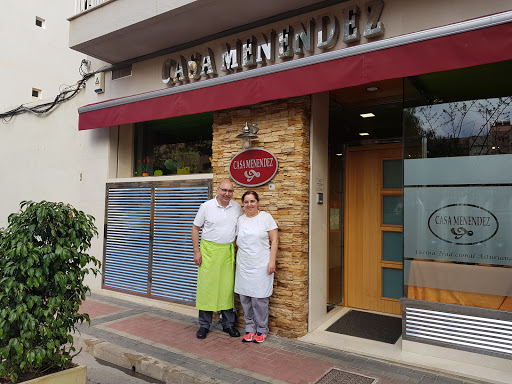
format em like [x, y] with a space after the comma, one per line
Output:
[252, 278]
[218, 222]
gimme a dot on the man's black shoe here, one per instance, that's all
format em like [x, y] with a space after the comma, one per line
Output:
[233, 332]
[202, 332]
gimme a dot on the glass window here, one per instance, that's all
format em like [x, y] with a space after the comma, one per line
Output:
[392, 210]
[457, 186]
[392, 246]
[392, 174]
[179, 145]
[392, 283]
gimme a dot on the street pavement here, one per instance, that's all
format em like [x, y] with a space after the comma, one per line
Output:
[103, 372]
[126, 337]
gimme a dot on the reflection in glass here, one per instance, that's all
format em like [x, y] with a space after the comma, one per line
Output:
[460, 128]
[392, 210]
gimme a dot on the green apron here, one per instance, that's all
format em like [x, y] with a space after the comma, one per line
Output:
[216, 277]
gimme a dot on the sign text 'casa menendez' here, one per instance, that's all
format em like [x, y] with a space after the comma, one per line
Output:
[253, 167]
[288, 43]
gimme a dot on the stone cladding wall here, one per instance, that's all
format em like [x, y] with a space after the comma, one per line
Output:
[284, 131]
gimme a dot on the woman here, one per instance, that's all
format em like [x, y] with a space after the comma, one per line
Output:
[257, 241]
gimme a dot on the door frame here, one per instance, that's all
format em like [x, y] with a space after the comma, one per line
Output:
[346, 242]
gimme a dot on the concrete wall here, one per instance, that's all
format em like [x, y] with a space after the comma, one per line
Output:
[318, 219]
[399, 17]
[45, 157]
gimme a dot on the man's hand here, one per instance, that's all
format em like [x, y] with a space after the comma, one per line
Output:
[198, 259]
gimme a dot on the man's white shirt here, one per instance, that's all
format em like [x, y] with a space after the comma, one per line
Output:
[218, 222]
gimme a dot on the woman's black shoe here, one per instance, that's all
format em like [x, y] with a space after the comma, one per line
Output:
[202, 332]
[233, 332]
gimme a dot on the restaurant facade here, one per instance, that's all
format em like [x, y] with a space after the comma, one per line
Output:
[377, 134]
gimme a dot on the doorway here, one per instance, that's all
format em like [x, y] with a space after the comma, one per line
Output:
[373, 252]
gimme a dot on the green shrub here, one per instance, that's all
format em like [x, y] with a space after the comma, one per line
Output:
[43, 262]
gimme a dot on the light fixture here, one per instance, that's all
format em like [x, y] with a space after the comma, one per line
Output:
[249, 133]
[365, 115]
[364, 134]
[372, 89]
[339, 154]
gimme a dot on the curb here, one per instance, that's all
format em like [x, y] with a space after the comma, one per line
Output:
[138, 362]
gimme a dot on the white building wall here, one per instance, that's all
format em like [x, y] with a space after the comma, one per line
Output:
[45, 157]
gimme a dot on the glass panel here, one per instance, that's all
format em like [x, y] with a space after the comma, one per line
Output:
[392, 283]
[178, 145]
[392, 209]
[457, 200]
[392, 174]
[392, 249]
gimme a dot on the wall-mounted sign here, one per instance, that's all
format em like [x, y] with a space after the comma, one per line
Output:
[285, 43]
[253, 167]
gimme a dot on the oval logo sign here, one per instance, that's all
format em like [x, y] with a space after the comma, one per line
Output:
[463, 224]
[253, 167]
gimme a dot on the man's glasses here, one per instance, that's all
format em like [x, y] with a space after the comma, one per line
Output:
[226, 190]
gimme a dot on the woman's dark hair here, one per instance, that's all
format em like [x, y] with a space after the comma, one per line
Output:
[250, 193]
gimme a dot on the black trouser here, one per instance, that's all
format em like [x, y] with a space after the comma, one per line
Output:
[227, 319]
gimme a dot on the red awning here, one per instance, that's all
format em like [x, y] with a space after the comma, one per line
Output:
[459, 50]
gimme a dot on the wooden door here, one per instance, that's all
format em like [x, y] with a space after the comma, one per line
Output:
[373, 228]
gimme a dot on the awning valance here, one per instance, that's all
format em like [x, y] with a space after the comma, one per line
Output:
[475, 42]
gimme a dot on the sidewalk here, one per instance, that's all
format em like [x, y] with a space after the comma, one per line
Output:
[162, 344]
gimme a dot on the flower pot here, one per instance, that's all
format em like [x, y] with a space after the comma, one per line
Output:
[183, 171]
[145, 174]
[75, 375]
[158, 172]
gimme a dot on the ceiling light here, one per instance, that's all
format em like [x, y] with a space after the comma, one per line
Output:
[364, 134]
[339, 154]
[372, 89]
[365, 115]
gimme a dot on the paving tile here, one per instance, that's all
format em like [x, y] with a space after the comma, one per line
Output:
[171, 337]
[449, 380]
[95, 309]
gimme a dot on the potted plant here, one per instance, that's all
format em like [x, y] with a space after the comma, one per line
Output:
[43, 262]
[145, 165]
[173, 165]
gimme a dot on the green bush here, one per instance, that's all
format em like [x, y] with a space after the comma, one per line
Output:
[43, 262]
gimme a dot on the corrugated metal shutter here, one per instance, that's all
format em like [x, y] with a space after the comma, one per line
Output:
[127, 239]
[174, 273]
[148, 250]
[480, 330]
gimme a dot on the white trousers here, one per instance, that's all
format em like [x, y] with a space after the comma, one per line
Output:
[255, 314]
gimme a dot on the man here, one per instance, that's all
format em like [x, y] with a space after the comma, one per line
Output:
[216, 259]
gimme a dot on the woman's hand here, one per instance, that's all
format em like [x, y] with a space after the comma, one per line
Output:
[271, 267]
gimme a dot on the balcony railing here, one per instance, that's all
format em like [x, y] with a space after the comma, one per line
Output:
[84, 5]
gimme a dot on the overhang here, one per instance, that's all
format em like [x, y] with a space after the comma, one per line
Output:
[120, 30]
[475, 42]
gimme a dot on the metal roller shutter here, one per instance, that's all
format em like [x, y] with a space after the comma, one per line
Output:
[174, 273]
[148, 250]
[127, 239]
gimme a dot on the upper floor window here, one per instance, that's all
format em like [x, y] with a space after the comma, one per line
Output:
[40, 22]
[122, 72]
